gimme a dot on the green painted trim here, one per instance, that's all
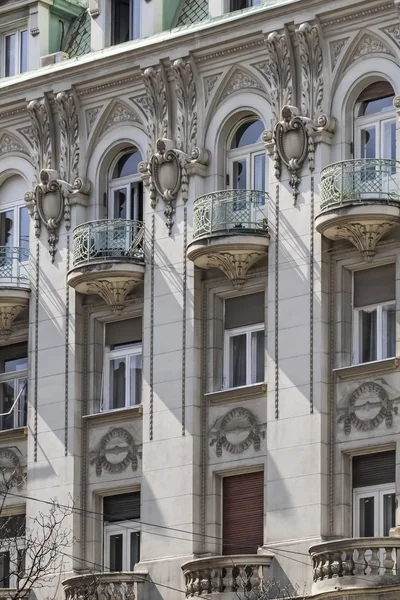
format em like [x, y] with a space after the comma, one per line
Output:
[171, 11]
[67, 8]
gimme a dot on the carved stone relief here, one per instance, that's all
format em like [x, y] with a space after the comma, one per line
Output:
[27, 133]
[12, 473]
[209, 86]
[369, 44]
[237, 431]
[90, 117]
[393, 31]
[8, 144]
[42, 134]
[336, 48]
[169, 164]
[120, 114]
[367, 407]
[312, 83]
[115, 452]
[240, 80]
[277, 70]
[69, 136]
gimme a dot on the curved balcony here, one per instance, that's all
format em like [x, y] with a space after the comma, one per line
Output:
[14, 286]
[360, 202]
[108, 259]
[226, 577]
[230, 232]
[355, 563]
[98, 586]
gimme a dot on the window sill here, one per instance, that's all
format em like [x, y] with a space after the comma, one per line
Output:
[109, 416]
[246, 392]
[19, 433]
[378, 367]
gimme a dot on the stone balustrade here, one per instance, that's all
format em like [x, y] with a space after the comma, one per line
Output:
[8, 593]
[356, 563]
[225, 577]
[105, 586]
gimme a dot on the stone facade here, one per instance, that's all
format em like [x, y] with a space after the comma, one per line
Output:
[177, 97]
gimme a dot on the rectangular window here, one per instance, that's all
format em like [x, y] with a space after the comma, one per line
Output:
[15, 53]
[244, 340]
[125, 17]
[121, 531]
[374, 499]
[123, 364]
[374, 319]
[243, 513]
[13, 386]
[11, 550]
[241, 4]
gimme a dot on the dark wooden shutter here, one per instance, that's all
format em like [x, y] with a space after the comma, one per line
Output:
[121, 507]
[374, 469]
[243, 513]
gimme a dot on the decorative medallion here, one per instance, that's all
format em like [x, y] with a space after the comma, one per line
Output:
[116, 451]
[237, 431]
[367, 407]
[13, 474]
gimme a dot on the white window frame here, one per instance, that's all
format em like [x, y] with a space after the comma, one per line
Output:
[229, 333]
[246, 153]
[17, 377]
[17, 32]
[381, 333]
[124, 528]
[125, 351]
[377, 491]
[131, 184]
[377, 120]
[135, 25]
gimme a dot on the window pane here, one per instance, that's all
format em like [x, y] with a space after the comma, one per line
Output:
[368, 322]
[389, 328]
[367, 517]
[389, 510]
[128, 164]
[116, 543]
[136, 379]
[120, 24]
[368, 142]
[120, 204]
[24, 233]
[22, 388]
[23, 59]
[6, 402]
[259, 172]
[117, 382]
[4, 570]
[135, 26]
[135, 549]
[15, 364]
[7, 228]
[257, 356]
[237, 360]
[239, 175]
[389, 140]
[10, 54]
[248, 133]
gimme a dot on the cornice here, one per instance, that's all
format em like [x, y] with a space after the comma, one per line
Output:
[233, 49]
[355, 14]
[94, 89]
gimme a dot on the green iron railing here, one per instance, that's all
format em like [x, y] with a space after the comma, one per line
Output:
[14, 267]
[233, 211]
[115, 239]
[360, 181]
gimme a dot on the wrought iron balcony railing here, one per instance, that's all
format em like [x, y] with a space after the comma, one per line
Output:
[233, 211]
[14, 267]
[116, 239]
[356, 563]
[360, 181]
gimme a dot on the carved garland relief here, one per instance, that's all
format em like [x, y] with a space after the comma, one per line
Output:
[237, 431]
[367, 407]
[115, 452]
[13, 474]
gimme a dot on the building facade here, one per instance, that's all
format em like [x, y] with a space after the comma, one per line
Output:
[198, 295]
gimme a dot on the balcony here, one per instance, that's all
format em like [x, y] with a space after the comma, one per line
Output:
[226, 577]
[230, 232]
[108, 259]
[14, 287]
[360, 202]
[112, 586]
[354, 564]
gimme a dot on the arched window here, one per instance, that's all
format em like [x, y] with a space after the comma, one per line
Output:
[246, 156]
[375, 122]
[125, 192]
[14, 218]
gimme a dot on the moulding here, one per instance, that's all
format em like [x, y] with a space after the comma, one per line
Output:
[20, 433]
[379, 367]
[247, 392]
[111, 416]
[13, 509]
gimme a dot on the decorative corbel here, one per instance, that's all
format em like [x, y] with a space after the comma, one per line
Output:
[292, 141]
[49, 204]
